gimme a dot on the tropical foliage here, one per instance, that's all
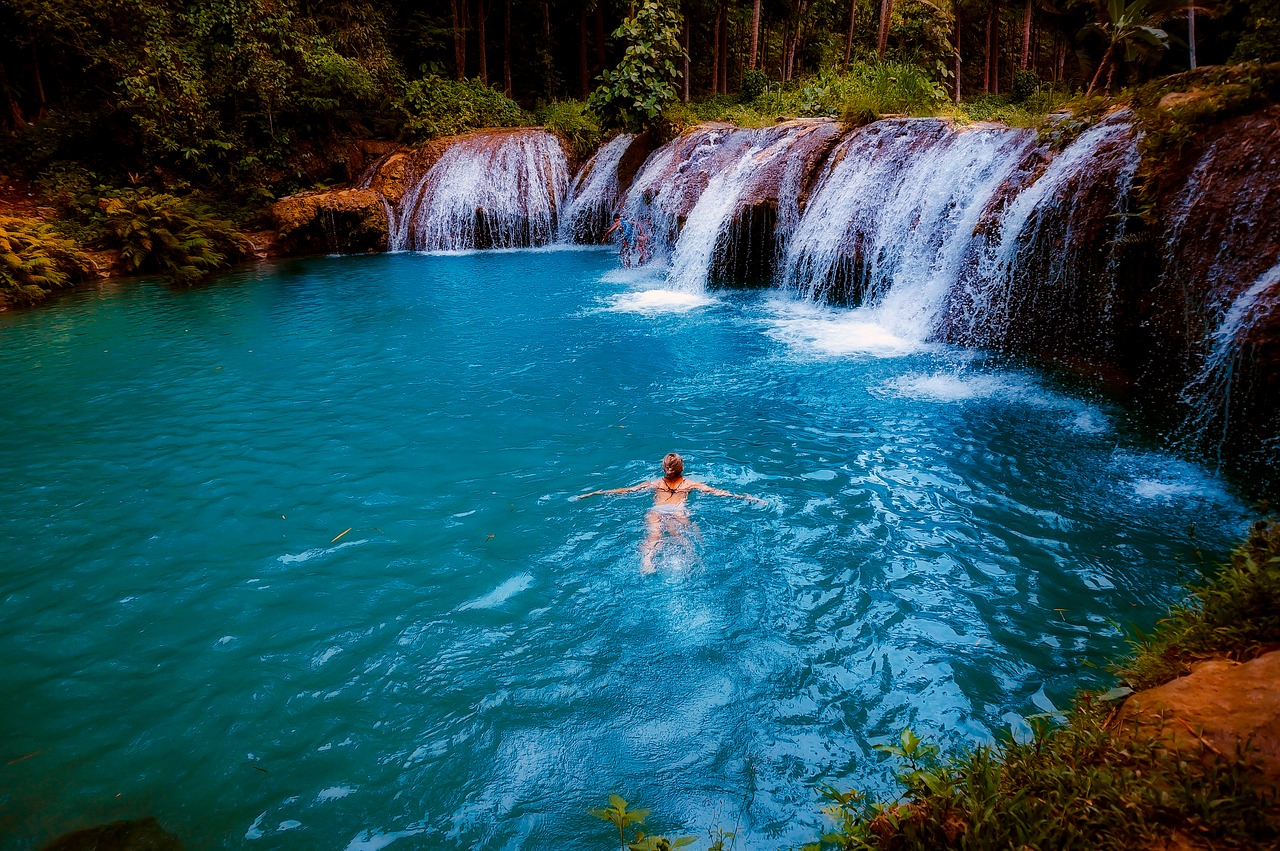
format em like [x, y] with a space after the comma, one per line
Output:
[1135, 26]
[435, 107]
[573, 122]
[35, 260]
[169, 236]
[634, 93]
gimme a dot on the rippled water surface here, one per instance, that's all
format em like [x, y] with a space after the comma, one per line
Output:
[291, 561]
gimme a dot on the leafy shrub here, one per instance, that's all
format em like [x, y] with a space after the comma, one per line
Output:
[753, 85]
[865, 88]
[857, 112]
[435, 107]
[634, 94]
[1025, 84]
[173, 237]
[573, 122]
[35, 259]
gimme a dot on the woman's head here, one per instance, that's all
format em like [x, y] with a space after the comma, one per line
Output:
[673, 465]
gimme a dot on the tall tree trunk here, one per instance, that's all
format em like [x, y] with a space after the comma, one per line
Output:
[1026, 38]
[755, 32]
[684, 86]
[15, 110]
[986, 56]
[506, 47]
[784, 60]
[482, 12]
[724, 47]
[458, 10]
[882, 39]
[959, 29]
[1191, 34]
[995, 48]
[715, 57]
[584, 74]
[848, 41]
[600, 60]
[1106, 61]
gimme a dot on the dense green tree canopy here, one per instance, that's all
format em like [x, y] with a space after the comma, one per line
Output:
[267, 92]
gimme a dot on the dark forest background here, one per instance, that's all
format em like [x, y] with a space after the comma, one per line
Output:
[261, 96]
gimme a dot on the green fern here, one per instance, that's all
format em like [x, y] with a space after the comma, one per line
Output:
[171, 236]
[35, 260]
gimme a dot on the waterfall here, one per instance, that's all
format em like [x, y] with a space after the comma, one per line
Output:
[1037, 269]
[671, 180]
[596, 193]
[499, 189]
[711, 199]
[893, 214]
[1209, 393]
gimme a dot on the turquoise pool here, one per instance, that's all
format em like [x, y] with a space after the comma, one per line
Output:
[291, 561]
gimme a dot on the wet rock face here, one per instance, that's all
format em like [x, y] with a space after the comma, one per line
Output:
[1042, 274]
[342, 221]
[1219, 707]
[1214, 308]
[140, 835]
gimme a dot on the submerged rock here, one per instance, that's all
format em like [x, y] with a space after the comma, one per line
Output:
[139, 835]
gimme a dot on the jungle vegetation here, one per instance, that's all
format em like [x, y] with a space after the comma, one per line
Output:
[212, 110]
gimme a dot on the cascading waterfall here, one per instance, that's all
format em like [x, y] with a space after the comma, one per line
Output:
[1209, 393]
[488, 190]
[770, 154]
[1035, 244]
[893, 214]
[708, 194]
[671, 180]
[596, 193]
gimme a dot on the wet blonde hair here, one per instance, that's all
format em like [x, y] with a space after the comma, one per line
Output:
[673, 465]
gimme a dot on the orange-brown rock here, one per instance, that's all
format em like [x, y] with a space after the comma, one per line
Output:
[339, 220]
[1217, 708]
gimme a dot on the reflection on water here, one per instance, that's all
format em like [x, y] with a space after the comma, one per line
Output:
[478, 660]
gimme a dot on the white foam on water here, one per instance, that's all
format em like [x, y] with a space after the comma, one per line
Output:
[658, 301]
[333, 793]
[811, 329]
[1080, 416]
[1166, 479]
[1156, 489]
[501, 594]
[373, 840]
[255, 830]
[946, 387]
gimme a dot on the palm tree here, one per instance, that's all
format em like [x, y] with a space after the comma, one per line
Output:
[1132, 24]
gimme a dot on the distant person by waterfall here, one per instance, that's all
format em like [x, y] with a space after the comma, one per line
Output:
[634, 249]
[670, 513]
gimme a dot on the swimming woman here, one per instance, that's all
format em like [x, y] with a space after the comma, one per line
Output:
[670, 513]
